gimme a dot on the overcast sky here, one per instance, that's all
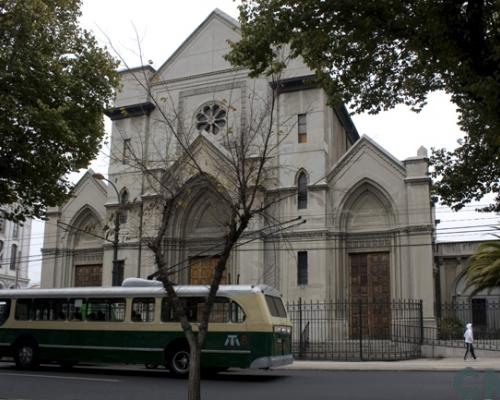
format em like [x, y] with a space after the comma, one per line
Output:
[162, 26]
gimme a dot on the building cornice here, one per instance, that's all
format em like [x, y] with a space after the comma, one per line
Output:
[130, 111]
[419, 179]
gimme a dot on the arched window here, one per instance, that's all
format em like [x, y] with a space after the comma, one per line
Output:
[302, 191]
[124, 197]
[123, 206]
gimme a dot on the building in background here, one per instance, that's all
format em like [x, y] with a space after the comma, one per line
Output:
[451, 259]
[14, 252]
[369, 229]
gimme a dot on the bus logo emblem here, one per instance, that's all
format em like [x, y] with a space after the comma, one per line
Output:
[232, 340]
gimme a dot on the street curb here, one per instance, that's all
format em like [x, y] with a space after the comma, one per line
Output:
[421, 365]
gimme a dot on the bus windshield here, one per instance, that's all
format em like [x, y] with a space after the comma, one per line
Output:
[275, 306]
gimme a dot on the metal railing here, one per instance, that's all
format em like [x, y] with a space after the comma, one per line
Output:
[356, 330]
[451, 318]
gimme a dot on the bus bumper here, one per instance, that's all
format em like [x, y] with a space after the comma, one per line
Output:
[269, 362]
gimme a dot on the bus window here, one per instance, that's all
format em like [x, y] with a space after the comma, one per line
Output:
[237, 313]
[41, 308]
[23, 309]
[50, 309]
[112, 310]
[143, 310]
[220, 310]
[168, 311]
[58, 309]
[190, 305]
[75, 309]
[225, 310]
[4, 310]
[275, 306]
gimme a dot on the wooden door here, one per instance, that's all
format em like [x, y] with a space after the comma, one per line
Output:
[201, 270]
[88, 275]
[370, 295]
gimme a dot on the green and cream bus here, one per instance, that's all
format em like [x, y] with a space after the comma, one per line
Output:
[136, 323]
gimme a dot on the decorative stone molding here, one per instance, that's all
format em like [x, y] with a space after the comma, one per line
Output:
[91, 256]
[368, 242]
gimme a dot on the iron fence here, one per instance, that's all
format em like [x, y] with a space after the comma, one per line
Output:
[356, 330]
[451, 318]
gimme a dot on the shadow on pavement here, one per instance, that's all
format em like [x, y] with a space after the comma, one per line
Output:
[258, 376]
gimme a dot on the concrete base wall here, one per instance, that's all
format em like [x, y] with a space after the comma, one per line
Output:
[430, 351]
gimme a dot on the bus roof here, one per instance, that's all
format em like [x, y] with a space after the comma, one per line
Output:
[120, 291]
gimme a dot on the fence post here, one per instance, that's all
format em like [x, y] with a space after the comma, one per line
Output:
[360, 330]
[421, 322]
[301, 345]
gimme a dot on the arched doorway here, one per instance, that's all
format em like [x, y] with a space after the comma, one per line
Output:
[86, 243]
[199, 229]
[366, 221]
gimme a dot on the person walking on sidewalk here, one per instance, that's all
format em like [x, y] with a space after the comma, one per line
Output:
[469, 340]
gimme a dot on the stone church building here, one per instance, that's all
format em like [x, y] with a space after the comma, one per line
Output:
[369, 218]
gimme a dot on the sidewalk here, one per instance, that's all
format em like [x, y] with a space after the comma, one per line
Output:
[421, 364]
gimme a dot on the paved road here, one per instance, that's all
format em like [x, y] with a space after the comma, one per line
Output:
[110, 383]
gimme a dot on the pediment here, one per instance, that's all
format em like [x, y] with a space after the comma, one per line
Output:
[212, 158]
[203, 51]
[366, 147]
[87, 186]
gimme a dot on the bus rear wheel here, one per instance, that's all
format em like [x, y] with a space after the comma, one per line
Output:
[178, 363]
[26, 355]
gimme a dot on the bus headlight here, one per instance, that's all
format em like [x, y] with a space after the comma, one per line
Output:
[283, 330]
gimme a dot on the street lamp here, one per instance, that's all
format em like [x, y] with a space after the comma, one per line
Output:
[115, 275]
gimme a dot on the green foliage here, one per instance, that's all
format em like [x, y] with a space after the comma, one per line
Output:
[450, 328]
[54, 84]
[483, 270]
[375, 54]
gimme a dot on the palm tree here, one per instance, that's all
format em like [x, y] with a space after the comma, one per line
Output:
[483, 271]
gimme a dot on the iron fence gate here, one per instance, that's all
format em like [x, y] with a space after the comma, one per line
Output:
[356, 330]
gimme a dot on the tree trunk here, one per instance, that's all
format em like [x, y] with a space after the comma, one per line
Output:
[194, 380]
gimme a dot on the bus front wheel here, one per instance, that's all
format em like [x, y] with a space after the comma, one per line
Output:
[179, 362]
[26, 355]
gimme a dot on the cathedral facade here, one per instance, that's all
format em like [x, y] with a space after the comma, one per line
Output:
[369, 217]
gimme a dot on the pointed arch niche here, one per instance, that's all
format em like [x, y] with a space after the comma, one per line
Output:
[86, 244]
[197, 232]
[366, 251]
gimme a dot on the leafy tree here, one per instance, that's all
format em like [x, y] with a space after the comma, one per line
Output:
[54, 84]
[375, 54]
[483, 270]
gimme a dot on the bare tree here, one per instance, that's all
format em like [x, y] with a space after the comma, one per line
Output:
[237, 166]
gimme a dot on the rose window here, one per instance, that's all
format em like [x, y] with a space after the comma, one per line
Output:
[211, 118]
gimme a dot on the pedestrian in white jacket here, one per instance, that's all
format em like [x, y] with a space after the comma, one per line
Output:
[469, 340]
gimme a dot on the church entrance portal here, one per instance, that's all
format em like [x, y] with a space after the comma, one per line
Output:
[88, 275]
[201, 270]
[370, 295]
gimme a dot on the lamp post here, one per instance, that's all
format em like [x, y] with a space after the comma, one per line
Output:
[114, 276]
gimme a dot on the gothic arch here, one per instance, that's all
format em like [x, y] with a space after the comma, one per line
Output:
[366, 207]
[298, 174]
[86, 219]
[197, 228]
[200, 210]
[124, 196]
